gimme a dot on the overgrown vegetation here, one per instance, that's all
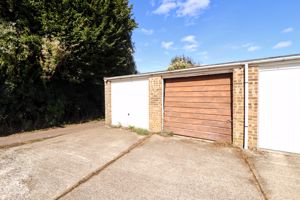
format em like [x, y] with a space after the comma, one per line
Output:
[139, 131]
[54, 55]
[180, 62]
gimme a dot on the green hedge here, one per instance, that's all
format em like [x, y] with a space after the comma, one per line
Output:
[53, 57]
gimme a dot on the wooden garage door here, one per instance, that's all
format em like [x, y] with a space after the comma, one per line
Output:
[199, 107]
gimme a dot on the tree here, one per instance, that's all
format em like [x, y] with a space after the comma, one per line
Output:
[180, 62]
[96, 36]
[54, 55]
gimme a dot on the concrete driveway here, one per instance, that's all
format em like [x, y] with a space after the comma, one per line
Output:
[278, 174]
[95, 162]
[45, 169]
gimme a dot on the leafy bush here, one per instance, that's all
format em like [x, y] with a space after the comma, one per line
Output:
[180, 62]
[53, 57]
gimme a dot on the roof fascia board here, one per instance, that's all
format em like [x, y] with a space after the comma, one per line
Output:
[205, 67]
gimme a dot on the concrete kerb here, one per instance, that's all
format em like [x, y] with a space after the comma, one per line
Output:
[40, 135]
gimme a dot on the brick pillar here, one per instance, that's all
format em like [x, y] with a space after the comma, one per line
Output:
[107, 90]
[238, 107]
[155, 104]
[253, 106]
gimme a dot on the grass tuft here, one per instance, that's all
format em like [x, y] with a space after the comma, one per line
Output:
[139, 131]
[166, 134]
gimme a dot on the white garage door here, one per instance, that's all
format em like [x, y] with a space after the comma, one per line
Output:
[279, 109]
[130, 103]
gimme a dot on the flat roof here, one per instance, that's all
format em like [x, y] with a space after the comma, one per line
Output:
[226, 65]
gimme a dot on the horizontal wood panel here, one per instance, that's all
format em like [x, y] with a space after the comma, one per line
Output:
[224, 81]
[197, 99]
[213, 123]
[213, 111]
[225, 131]
[200, 134]
[199, 94]
[199, 88]
[198, 116]
[198, 105]
[200, 80]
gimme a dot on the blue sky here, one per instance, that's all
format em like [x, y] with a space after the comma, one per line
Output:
[213, 31]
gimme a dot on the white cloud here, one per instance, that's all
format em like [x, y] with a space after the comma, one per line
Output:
[192, 7]
[165, 7]
[248, 46]
[167, 45]
[147, 31]
[287, 30]
[189, 8]
[189, 38]
[190, 47]
[283, 44]
[191, 43]
[253, 48]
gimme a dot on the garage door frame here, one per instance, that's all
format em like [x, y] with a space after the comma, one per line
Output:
[229, 72]
[271, 67]
[133, 114]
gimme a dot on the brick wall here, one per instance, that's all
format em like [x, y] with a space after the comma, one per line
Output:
[253, 106]
[107, 90]
[155, 104]
[238, 106]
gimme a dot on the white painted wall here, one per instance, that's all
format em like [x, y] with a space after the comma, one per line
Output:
[130, 103]
[279, 109]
